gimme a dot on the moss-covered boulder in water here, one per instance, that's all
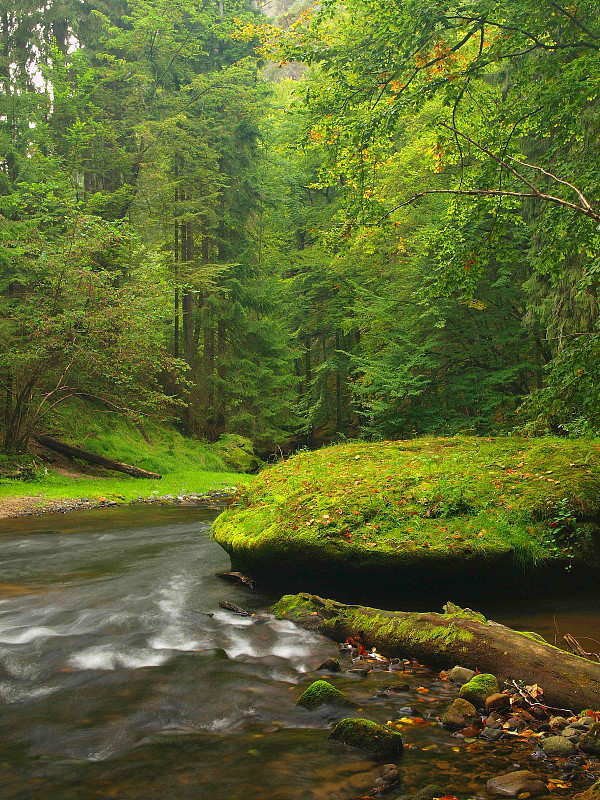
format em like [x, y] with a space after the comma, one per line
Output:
[395, 511]
[461, 714]
[377, 740]
[479, 688]
[322, 693]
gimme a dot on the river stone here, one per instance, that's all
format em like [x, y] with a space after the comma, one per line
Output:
[429, 792]
[461, 714]
[512, 784]
[590, 741]
[583, 724]
[571, 733]
[460, 675]
[479, 688]
[491, 734]
[558, 722]
[558, 746]
[498, 700]
[322, 693]
[331, 665]
[380, 742]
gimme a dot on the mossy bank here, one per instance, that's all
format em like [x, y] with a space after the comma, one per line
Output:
[420, 512]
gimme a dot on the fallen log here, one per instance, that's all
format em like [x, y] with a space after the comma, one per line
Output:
[458, 636]
[92, 458]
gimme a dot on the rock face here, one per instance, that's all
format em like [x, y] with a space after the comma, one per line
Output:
[590, 741]
[513, 784]
[460, 715]
[479, 688]
[558, 746]
[322, 693]
[378, 741]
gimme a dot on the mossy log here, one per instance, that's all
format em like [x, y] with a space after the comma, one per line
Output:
[455, 637]
[93, 458]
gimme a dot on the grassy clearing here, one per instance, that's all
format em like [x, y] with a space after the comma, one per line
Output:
[462, 499]
[187, 465]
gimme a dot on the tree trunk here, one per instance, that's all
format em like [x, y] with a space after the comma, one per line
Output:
[92, 458]
[454, 637]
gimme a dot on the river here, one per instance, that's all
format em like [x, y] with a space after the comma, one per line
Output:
[120, 676]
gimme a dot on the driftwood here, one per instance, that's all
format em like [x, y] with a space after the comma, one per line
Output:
[92, 458]
[455, 637]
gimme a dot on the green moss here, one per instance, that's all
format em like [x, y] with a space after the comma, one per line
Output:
[479, 688]
[460, 502]
[451, 610]
[377, 740]
[534, 636]
[322, 693]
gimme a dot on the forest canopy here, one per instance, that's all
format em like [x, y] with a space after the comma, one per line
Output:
[341, 219]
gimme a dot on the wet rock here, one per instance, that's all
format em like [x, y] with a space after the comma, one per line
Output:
[558, 723]
[583, 724]
[479, 688]
[515, 724]
[497, 701]
[363, 671]
[378, 741]
[461, 714]
[590, 741]
[494, 720]
[572, 734]
[427, 793]
[512, 784]
[593, 793]
[460, 675]
[331, 665]
[387, 775]
[491, 734]
[558, 746]
[322, 693]
[235, 609]
[392, 688]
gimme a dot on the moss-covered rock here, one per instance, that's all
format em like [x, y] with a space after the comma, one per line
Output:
[590, 741]
[479, 688]
[322, 693]
[460, 714]
[429, 792]
[397, 508]
[377, 740]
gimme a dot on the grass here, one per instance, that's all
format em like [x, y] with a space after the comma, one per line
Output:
[461, 499]
[186, 465]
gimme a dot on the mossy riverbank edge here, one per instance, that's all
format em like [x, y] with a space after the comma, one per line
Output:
[407, 514]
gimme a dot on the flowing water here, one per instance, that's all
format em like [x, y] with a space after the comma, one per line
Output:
[120, 676]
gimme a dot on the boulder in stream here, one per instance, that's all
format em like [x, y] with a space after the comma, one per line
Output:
[479, 688]
[380, 742]
[322, 693]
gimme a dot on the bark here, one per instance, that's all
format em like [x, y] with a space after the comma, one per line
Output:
[454, 637]
[92, 458]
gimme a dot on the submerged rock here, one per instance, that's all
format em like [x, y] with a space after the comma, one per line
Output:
[479, 688]
[461, 714]
[512, 784]
[322, 693]
[428, 792]
[377, 740]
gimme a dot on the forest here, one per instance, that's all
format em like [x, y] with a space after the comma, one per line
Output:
[301, 223]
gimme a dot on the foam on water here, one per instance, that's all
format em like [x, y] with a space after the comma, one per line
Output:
[106, 657]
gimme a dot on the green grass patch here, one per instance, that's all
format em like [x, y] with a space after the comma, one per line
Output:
[463, 499]
[186, 465]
